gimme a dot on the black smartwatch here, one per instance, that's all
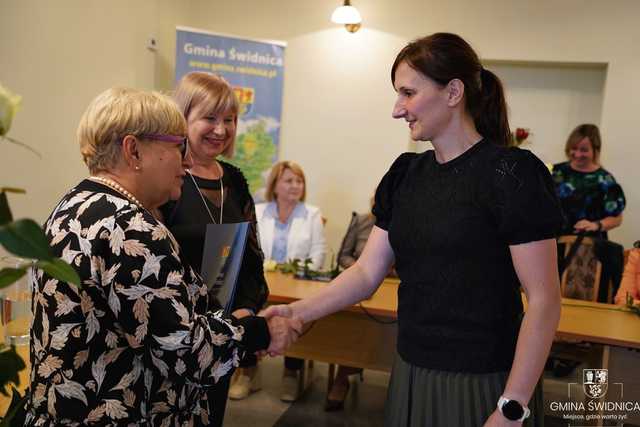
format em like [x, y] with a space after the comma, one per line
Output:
[512, 409]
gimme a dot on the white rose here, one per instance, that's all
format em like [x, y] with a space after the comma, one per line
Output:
[9, 104]
[270, 265]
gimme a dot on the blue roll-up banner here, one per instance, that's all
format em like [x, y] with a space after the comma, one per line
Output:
[255, 69]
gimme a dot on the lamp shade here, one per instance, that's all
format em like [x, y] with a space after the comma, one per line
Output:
[346, 15]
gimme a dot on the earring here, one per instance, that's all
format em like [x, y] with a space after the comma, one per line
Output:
[137, 167]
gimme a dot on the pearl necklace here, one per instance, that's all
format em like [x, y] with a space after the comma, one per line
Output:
[119, 188]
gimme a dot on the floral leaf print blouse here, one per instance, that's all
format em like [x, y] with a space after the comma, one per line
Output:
[136, 344]
[587, 195]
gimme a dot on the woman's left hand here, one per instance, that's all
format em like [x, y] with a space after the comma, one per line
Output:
[584, 225]
[498, 420]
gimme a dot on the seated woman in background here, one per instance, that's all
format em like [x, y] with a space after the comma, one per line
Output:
[592, 202]
[355, 238]
[630, 284]
[591, 199]
[138, 342]
[290, 229]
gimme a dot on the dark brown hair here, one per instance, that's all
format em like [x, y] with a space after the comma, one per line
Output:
[443, 57]
[586, 130]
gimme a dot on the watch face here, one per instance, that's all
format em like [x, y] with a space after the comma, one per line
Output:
[512, 410]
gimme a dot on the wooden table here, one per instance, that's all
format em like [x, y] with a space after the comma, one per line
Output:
[583, 321]
[351, 338]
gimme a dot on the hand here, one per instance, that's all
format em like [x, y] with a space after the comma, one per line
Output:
[585, 225]
[284, 332]
[277, 310]
[498, 420]
[269, 312]
[241, 312]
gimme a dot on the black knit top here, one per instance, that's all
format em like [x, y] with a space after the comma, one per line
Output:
[450, 226]
[188, 218]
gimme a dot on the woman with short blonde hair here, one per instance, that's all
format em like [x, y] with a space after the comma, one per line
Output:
[118, 112]
[139, 342]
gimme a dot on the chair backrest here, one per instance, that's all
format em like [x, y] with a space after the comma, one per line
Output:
[581, 277]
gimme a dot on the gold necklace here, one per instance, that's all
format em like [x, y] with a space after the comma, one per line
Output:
[119, 188]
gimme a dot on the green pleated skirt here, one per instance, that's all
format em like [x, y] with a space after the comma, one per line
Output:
[419, 397]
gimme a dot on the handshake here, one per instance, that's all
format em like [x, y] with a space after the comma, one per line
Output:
[284, 328]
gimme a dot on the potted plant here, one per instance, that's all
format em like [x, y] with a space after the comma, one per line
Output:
[23, 238]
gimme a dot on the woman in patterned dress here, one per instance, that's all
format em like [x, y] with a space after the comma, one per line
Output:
[591, 199]
[138, 343]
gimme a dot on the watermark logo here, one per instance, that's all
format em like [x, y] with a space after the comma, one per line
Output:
[594, 404]
[595, 382]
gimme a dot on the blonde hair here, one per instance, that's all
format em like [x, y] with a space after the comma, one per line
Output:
[118, 112]
[581, 132]
[276, 172]
[211, 95]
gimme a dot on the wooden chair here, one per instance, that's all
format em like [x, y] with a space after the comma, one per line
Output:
[581, 278]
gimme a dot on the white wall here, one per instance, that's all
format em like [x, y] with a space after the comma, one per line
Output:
[59, 56]
[338, 96]
[551, 100]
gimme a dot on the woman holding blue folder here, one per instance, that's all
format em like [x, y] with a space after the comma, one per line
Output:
[216, 192]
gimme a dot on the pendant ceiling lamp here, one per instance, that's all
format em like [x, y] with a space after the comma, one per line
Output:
[348, 16]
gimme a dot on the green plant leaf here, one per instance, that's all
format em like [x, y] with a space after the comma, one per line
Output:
[16, 413]
[60, 270]
[10, 364]
[5, 210]
[10, 275]
[25, 239]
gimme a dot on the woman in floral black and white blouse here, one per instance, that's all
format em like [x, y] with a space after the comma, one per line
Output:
[138, 343]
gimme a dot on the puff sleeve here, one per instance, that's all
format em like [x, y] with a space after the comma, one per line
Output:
[525, 203]
[614, 200]
[383, 205]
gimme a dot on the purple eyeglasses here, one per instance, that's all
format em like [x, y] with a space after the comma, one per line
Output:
[182, 140]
